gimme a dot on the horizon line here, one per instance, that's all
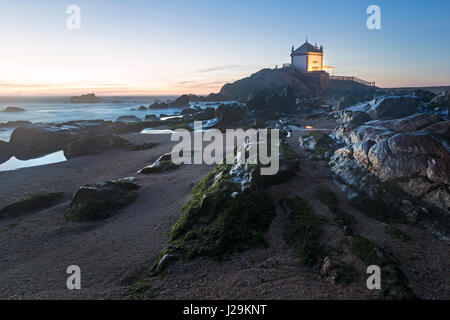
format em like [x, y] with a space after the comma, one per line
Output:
[174, 93]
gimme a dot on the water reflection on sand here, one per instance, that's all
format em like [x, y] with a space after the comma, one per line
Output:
[13, 163]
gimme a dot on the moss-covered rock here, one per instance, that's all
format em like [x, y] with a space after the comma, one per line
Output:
[163, 164]
[329, 199]
[303, 230]
[34, 202]
[95, 202]
[221, 218]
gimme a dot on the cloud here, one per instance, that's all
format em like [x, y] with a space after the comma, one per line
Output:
[224, 67]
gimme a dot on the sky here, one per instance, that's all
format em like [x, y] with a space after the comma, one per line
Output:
[173, 47]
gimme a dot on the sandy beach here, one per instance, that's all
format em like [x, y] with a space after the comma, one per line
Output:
[36, 248]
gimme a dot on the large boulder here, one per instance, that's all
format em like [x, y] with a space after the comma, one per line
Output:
[5, 151]
[95, 145]
[95, 202]
[407, 124]
[392, 107]
[4, 147]
[409, 154]
[37, 139]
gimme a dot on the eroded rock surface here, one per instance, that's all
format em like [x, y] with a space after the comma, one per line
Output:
[388, 161]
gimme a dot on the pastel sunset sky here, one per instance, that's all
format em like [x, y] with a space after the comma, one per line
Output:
[172, 47]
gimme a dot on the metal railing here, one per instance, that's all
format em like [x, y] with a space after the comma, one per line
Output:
[355, 79]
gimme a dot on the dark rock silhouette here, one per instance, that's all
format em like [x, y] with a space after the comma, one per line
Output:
[14, 109]
[85, 98]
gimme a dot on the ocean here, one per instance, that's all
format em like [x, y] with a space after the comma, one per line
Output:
[59, 110]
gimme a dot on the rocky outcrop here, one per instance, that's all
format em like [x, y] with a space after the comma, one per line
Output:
[95, 202]
[272, 81]
[198, 114]
[212, 97]
[85, 98]
[182, 101]
[283, 102]
[348, 120]
[439, 105]
[37, 139]
[396, 160]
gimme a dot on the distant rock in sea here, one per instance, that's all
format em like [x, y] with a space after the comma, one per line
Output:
[183, 101]
[14, 124]
[14, 109]
[159, 105]
[85, 98]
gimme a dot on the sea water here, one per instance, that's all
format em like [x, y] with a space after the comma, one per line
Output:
[63, 111]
